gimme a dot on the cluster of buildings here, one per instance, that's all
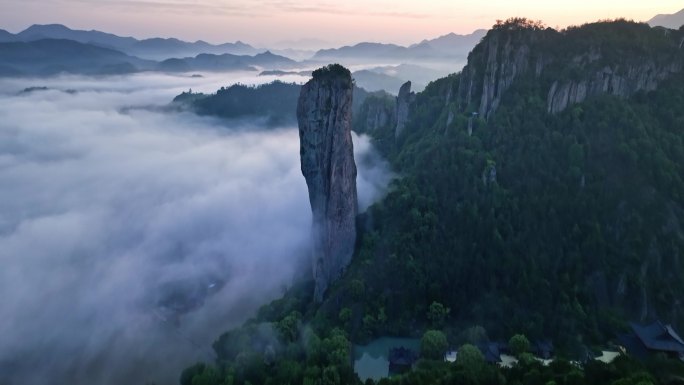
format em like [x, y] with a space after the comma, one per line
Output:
[498, 353]
[640, 342]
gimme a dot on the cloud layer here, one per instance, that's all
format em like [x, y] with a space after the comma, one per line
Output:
[130, 238]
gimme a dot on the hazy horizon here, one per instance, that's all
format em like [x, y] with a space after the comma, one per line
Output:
[294, 23]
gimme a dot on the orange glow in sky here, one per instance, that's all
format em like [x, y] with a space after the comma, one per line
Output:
[271, 21]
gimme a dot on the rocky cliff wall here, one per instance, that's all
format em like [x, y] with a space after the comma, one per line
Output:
[618, 80]
[570, 66]
[324, 113]
[404, 101]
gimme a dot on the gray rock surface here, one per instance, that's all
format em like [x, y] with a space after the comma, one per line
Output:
[324, 113]
[404, 101]
[489, 174]
[379, 114]
[503, 57]
[622, 81]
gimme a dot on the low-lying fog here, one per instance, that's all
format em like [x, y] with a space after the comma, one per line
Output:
[130, 238]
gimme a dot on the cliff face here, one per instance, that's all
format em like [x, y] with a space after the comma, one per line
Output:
[404, 100]
[494, 65]
[505, 59]
[617, 80]
[377, 114]
[571, 65]
[324, 113]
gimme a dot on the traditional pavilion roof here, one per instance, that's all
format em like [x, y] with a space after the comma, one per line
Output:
[659, 337]
[402, 356]
[491, 351]
[543, 348]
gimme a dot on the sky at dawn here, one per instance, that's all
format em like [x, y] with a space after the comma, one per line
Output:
[282, 22]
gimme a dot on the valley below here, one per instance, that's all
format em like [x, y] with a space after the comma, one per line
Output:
[134, 234]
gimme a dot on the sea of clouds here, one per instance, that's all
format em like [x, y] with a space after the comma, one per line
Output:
[112, 208]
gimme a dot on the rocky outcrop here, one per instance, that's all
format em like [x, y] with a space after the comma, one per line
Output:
[503, 66]
[377, 112]
[404, 101]
[621, 81]
[585, 69]
[450, 119]
[489, 173]
[493, 67]
[324, 113]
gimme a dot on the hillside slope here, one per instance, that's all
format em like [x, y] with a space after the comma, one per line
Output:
[562, 224]
[557, 222]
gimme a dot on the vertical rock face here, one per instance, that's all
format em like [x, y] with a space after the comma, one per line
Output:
[324, 112]
[621, 81]
[404, 100]
[571, 75]
[496, 63]
[378, 113]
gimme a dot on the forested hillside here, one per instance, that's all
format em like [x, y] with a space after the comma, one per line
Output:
[562, 225]
[509, 216]
[275, 102]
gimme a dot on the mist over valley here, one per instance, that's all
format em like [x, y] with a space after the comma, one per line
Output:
[133, 235]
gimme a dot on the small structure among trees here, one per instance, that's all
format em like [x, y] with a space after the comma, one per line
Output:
[491, 351]
[543, 349]
[653, 338]
[401, 359]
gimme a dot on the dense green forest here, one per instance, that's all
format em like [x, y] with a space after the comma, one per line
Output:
[560, 226]
[275, 102]
[556, 226]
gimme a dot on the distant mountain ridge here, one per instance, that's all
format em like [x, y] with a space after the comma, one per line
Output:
[59, 31]
[451, 45]
[453, 40]
[160, 49]
[392, 64]
[53, 56]
[6, 36]
[226, 62]
[154, 48]
[674, 21]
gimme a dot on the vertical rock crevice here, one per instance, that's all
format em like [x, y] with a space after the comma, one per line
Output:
[324, 113]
